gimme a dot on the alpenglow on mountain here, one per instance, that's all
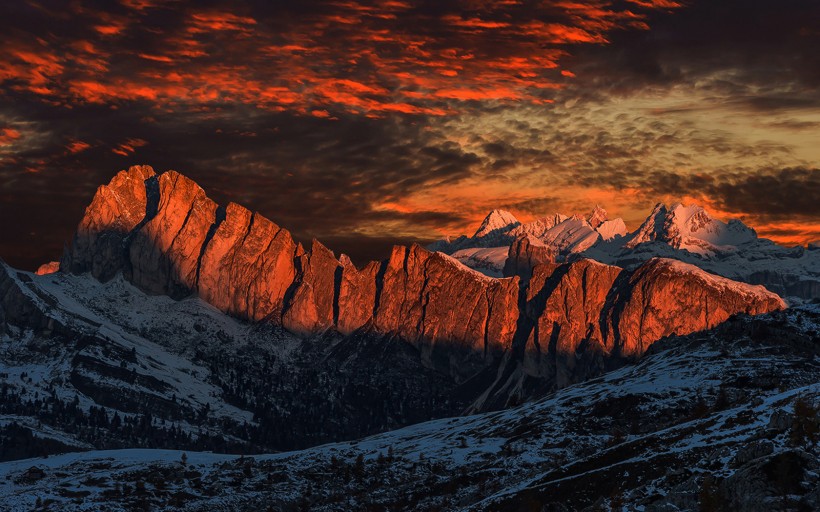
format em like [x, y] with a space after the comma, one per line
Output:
[685, 233]
[176, 324]
[167, 237]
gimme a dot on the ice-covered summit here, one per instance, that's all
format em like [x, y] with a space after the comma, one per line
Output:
[496, 222]
[691, 228]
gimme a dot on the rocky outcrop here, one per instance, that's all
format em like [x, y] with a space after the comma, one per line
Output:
[48, 268]
[247, 265]
[21, 306]
[167, 237]
[357, 295]
[665, 297]
[164, 252]
[115, 211]
[566, 305]
[585, 317]
[525, 254]
[432, 300]
[311, 307]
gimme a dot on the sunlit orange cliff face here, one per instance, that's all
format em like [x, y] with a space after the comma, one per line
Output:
[370, 123]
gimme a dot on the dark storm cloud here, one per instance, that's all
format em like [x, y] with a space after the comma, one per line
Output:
[782, 193]
[750, 50]
[775, 193]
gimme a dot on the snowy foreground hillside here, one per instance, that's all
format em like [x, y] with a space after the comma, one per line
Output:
[725, 419]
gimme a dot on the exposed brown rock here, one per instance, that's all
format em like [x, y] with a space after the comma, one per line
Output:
[572, 312]
[178, 241]
[524, 254]
[247, 266]
[399, 299]
[310, 310]
[48, 268]
[357, 295]
[277, 271]
[221, 277]
[502, 315]
[566, 303]
[117, 208]
[665, 297]
[165, 251]
[433, 300]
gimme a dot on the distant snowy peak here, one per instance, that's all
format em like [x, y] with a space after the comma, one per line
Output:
[611, 229]
[687, 233]
[684, 223]
[597, 217]
[572, 235]
[651, 229]
[538, 227]
[565, 235]
[497, 222]
[691, 228]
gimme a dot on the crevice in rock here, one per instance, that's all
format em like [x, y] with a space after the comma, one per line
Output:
[152, 198]
[616, 299]
[530, 311]
[552, 347]
[177, 290]
[487, 297]
[238, 246]
[297, 281]
[337, 289]
[258, 266]
[424, 298]
[219, 218]
[379, 286]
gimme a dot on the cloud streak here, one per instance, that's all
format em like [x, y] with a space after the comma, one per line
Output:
[368, 58]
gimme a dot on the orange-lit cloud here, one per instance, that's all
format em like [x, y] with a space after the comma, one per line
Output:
[77, 146]
[8, 136]
[368, 58]
[128, 147]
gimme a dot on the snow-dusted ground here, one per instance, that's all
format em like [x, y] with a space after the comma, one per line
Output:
[126, 327]
[706, 404]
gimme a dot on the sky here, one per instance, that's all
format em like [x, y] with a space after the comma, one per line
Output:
[366, 124]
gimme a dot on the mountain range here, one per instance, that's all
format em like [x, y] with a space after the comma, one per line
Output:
[684, 233]
[173, 323]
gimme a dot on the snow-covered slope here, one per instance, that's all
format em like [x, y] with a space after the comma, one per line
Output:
[691, 228]
[568, 235]
[688, 233]
[721, 418]
[496, 223]
[488, 260]
[76, 353]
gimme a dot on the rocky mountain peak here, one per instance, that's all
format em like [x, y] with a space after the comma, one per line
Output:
[652, 227]
[114, 213]
[683, 221]
[495, 223]
[597, 217]
[167, 237]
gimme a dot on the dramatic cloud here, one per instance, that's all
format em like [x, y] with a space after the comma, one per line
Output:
[363, 123]
[369, 58]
